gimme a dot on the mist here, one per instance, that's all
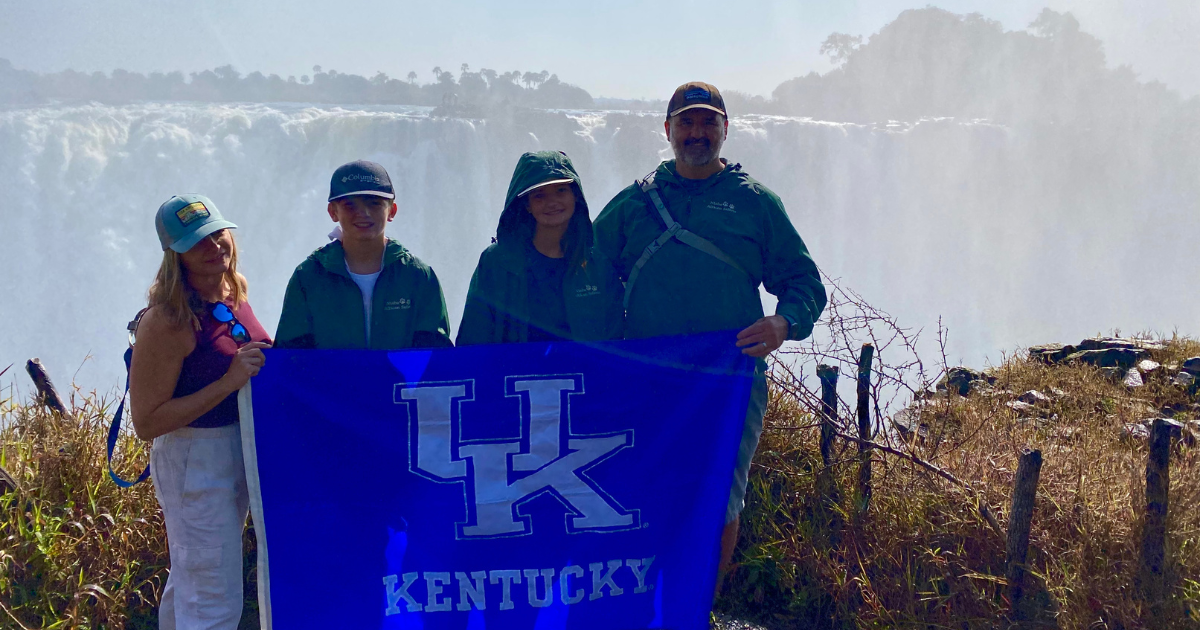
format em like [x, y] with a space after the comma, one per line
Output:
[1011, 183]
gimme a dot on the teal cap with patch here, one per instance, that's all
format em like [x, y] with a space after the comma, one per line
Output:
[186, 219]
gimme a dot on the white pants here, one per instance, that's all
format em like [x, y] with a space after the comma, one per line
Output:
[200, 483]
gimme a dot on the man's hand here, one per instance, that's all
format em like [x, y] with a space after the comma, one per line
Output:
[763, 336]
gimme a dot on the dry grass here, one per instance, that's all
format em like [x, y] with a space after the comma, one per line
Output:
[924, 558]
[76, 551]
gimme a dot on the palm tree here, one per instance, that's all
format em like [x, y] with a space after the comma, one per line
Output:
[437, 72]
[412, 76]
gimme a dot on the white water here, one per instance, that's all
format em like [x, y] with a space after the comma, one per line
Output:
[1014, 236]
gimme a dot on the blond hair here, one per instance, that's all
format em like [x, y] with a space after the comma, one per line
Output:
[178, 300]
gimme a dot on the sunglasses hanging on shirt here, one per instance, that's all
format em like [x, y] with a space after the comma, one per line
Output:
[224, 314]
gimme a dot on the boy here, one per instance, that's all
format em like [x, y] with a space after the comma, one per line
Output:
[365, 290]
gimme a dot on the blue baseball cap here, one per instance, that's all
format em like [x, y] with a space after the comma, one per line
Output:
[186, 219]
[360, 178]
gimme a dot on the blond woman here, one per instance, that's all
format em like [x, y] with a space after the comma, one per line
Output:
[197, 345]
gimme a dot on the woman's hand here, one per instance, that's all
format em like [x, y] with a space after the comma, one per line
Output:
[246, 363]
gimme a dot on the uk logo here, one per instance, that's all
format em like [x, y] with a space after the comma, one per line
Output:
[499, 476]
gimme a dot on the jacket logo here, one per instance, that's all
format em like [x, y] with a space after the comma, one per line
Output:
[498, 476]
[587, 290]
[721, 205]
[402, 304]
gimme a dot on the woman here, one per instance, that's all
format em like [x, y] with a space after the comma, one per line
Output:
[541, 280]
[197, 345]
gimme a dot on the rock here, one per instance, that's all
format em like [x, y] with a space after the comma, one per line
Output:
[1113, 373]
[1133, 378]
[725, 622]
[980, 386]
[907, 422]
[1033, 397]
[1137, 431]
[1191, 366]
[1022, 408]
[1184, 379]
[1051, 352]
[959, 379]
[1123, 358]
[1110, 343]
[1179, 431]
[1057, 393]
[1147, 366]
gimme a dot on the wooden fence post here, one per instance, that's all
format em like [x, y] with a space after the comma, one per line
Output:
[47, 395]
[864, 427]
[1154, 530]
[829, 377]
[1020, 519]
[825, 481]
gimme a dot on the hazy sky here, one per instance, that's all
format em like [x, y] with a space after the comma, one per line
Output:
[618, 48]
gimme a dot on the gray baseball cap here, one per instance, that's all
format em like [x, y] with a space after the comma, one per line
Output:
[186, 219]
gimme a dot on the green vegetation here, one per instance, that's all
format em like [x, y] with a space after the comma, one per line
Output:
[76, 551]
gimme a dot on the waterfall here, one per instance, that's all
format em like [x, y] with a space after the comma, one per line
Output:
[1013, 235]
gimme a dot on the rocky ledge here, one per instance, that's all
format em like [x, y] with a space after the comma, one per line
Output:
[1127, 361]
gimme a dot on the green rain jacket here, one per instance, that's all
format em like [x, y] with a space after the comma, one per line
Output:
[683, 290]
[497, 309]
[323, 307]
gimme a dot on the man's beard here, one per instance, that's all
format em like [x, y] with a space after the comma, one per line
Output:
[696, 153]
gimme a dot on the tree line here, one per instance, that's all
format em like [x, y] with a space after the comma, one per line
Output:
[931, 62]
[470, 89]
[926, 63]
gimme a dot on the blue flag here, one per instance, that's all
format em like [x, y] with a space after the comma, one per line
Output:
[531, 486]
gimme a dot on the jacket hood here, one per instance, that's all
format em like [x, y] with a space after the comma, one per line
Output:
[516, 224]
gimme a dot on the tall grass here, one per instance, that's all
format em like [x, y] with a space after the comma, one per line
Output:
[923, 557]
[76, 551]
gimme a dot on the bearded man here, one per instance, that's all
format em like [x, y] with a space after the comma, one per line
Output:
[693, 241]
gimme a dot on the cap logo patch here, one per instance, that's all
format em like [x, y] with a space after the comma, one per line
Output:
[697, 94]
[371, 179]
[192, 212]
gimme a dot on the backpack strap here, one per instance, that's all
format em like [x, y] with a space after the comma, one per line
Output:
[115, 429]
[673, 230]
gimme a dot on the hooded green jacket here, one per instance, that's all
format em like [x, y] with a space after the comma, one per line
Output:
[683, 290]
[497, 308]
[323, 307]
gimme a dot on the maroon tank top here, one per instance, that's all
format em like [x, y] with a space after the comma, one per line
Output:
[211, 358]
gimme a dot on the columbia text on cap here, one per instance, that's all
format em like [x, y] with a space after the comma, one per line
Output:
[696, 94]
[360, 178]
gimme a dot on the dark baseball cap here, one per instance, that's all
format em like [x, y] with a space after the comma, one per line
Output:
[360, 178]
[696, 94]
